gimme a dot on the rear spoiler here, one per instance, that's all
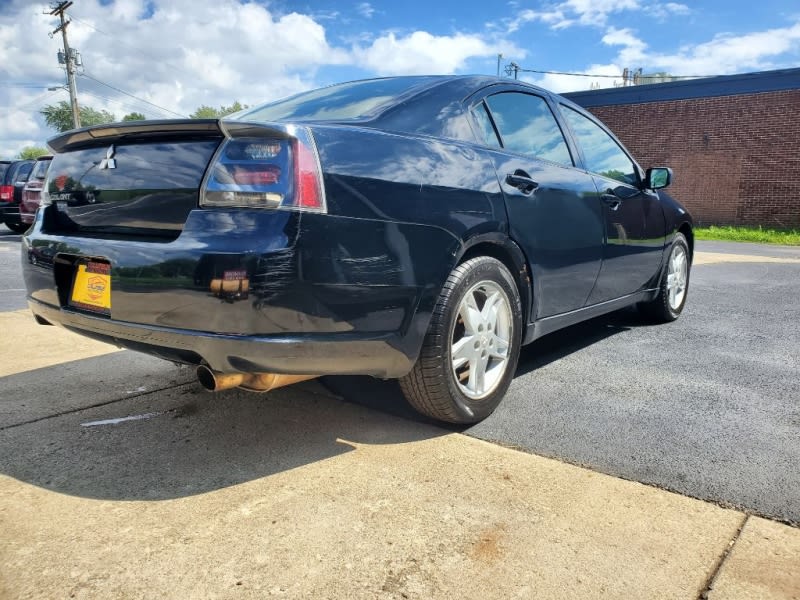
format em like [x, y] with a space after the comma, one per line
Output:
[90, 136]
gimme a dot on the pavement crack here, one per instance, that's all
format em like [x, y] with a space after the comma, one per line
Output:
[106, 403]
[712, 578]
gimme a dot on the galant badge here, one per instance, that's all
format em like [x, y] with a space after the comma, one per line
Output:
[108, 162]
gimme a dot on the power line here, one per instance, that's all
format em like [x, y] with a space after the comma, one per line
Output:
[126, 105]
[29, 103]
[116, 89]
[513, 68]
[25, 85]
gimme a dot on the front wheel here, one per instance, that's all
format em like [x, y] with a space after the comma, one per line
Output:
[471, 349]
[674, 285]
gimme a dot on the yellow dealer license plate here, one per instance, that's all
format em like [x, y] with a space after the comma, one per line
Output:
[91, 289]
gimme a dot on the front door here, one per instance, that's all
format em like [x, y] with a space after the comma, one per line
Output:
[553, 209]
[633, 218]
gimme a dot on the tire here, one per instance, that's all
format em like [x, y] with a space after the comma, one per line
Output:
[673, 289]
[18, 227]
[478, 318]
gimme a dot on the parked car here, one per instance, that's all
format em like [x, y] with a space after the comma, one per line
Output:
[32, 190]
[13, 180]
[420, 228]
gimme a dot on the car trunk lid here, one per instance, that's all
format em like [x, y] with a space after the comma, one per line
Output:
[138, 179]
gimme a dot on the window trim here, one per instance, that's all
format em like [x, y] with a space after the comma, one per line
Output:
[480, 97]
[584, 165]
[544, 99]
[481, 105]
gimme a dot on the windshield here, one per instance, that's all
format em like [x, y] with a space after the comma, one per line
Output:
[354, 100]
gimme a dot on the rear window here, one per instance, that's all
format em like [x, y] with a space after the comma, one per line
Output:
[3, 169]
[39, 170]
[350, 101]
[22, 172]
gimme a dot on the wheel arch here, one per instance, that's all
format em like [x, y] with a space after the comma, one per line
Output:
[502, 248]
[686, 229]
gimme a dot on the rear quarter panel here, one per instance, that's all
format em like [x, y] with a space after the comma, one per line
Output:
[445, 192]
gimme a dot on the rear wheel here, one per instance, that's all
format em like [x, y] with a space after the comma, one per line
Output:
[471, 349]
[17, 227]
[674, 285]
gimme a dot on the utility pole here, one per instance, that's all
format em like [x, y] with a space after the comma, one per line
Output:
[70, 59]
[514, 68]
[499, 58]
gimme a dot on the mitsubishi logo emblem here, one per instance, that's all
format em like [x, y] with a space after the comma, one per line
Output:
[108, 162]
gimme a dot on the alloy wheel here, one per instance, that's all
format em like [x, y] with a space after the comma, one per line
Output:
[480, 339]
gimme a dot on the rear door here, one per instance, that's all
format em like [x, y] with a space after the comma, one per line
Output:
[553, 209]
[633, 217]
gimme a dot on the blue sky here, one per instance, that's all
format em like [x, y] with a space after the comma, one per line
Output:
[166, 57]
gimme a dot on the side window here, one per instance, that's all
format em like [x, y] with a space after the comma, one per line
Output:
[527, 125]
[487, 133]
[603, 155]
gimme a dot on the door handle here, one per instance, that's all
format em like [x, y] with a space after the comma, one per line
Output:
[611, 200]
[522, 181]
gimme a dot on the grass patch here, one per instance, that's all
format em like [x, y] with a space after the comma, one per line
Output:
[728, 233]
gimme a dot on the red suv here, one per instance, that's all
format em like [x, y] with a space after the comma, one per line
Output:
[32, 191]
[13, 176]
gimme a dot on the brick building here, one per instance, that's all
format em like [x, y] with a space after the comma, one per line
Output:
[732, 141]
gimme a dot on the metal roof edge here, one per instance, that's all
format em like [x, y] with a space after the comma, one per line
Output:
[710, 87]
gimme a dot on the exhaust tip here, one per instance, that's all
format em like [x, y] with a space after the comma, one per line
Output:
[206, 378]
[214, 381]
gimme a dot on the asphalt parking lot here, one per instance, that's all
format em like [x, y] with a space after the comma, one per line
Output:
[707, 407]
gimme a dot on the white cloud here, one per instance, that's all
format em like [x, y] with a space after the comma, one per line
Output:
[572, 12]
[366, 10]
[725, 53]
[421, 52]
[179, 54]
[594, 13]
[633, 50]
[729, 53]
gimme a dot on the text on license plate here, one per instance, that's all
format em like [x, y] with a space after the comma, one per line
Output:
[92, 287]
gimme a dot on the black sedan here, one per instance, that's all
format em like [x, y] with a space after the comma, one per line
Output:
[420, 228]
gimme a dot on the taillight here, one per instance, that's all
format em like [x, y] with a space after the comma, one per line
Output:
[31, 192]
[254, 172]
[308, 187]
[6, 193]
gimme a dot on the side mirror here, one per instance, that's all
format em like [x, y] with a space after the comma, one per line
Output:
[657, 178]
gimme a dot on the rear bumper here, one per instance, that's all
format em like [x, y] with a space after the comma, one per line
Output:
[9, 213]
[27, 212]
[380, 355]
[255, 291]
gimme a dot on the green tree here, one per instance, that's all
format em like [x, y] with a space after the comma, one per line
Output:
[134, 116]
[209, 112]
[59, 116]
[31, 152]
